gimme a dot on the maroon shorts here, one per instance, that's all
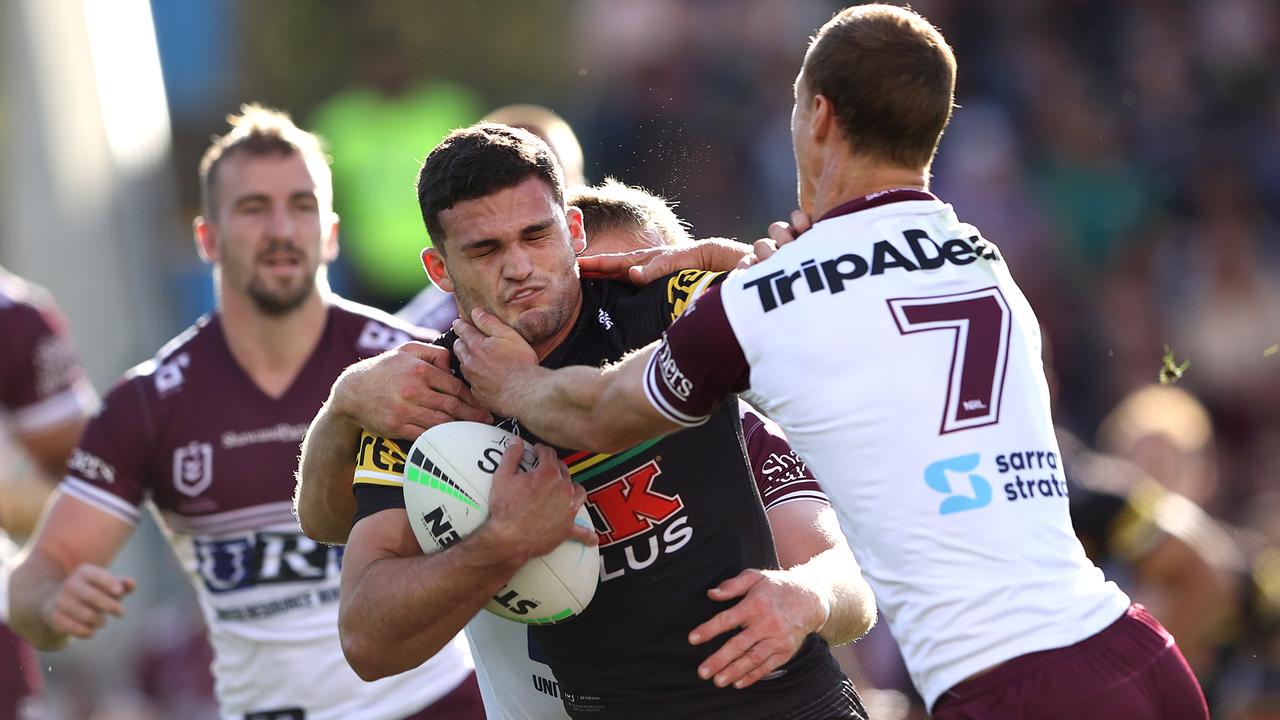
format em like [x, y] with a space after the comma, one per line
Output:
[461, 703]
[1132, 670]
[19, 674]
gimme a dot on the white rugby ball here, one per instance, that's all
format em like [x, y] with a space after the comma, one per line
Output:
[446, 492]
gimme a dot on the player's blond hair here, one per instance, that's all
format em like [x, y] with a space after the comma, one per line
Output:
[1157, 410]
[612, 205]
[257, 131]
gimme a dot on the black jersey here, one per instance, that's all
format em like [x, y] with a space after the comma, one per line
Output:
[675, 517]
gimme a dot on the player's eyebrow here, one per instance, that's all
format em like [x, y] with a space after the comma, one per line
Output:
[531, 229]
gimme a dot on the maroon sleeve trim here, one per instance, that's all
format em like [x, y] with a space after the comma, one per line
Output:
[698, 364]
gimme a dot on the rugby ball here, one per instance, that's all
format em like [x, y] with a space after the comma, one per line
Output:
[448, 475]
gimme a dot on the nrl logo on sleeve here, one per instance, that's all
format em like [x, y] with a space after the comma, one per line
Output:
[193, 468]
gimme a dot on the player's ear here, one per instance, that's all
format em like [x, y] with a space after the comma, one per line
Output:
[206, 242]
[331, 247]
[577, 230]
[433, 262]
[822, 117]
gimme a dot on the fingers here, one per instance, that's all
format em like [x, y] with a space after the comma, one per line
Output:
[750, 667]
[489, 324]
[86, 598]
[736, 586]
[721, 623]
[800, 222]
[781, 233]
[511, 458]
[426, 352]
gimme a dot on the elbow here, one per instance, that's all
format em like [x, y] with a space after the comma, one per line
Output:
[363, 656]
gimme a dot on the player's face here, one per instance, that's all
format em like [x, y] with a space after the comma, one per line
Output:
[802, 142]
[272, 230]
[512, 253]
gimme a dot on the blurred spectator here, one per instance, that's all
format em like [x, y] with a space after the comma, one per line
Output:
[378, 131]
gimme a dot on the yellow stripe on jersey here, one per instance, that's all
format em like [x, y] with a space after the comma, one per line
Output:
[380, 461]
[685, 286]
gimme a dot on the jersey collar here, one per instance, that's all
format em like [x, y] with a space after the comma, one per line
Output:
[876, 199]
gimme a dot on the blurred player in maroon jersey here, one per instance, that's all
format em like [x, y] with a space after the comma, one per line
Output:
[45, 400]
[208, 431]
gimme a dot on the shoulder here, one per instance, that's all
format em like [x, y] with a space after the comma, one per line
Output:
[27, 311]
[166, 372]
[372, 331]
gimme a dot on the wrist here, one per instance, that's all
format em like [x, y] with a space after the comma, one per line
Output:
[497, 547]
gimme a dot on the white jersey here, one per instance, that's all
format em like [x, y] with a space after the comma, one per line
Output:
[895, 350]
[514, 682]
[431, 308]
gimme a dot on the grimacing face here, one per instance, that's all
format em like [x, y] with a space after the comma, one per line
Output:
[273, 228]
[512, 254]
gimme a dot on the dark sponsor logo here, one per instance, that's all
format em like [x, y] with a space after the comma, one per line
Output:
[1035, 475]
[265, 558]
[923, 253]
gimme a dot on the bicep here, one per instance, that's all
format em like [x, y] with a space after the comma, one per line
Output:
[74, 531]
[52, 447]
[804, 529]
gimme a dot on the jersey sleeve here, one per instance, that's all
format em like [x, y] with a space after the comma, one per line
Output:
[42, 384]
[781, 476]
[697, 365]
[108, 469]
[378, 483]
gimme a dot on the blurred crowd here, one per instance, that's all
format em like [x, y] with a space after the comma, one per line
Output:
[1125, 157]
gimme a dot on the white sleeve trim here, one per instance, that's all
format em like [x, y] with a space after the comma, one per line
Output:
[807, 496]
[659, 403]
[394, 478]
[73, 403]
[100, 499]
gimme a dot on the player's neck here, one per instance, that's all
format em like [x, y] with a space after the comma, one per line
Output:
[271, 349]
[844, 177]
[544, 348]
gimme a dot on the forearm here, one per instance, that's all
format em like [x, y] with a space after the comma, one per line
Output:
[564, 407]
[323, 500]
[33, 582]
[834, 576]
[401, 611]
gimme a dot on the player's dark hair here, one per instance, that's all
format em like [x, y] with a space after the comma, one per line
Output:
[890, 77]
[257, 131]
[479, 161]
[614, 206]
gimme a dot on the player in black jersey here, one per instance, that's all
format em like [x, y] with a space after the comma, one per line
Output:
[665, 541]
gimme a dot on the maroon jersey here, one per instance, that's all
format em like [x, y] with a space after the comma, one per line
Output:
[42, 387]
[192, 433]
[42, 384]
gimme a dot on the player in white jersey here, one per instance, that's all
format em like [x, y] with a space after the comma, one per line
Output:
[893, 347]
[208, 434]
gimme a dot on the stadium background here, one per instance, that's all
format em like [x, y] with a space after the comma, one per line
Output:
[1124, 156]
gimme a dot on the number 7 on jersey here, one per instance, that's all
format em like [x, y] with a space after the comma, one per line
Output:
[981, 323]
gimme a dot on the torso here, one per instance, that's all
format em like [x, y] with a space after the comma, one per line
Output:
[910, 380]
